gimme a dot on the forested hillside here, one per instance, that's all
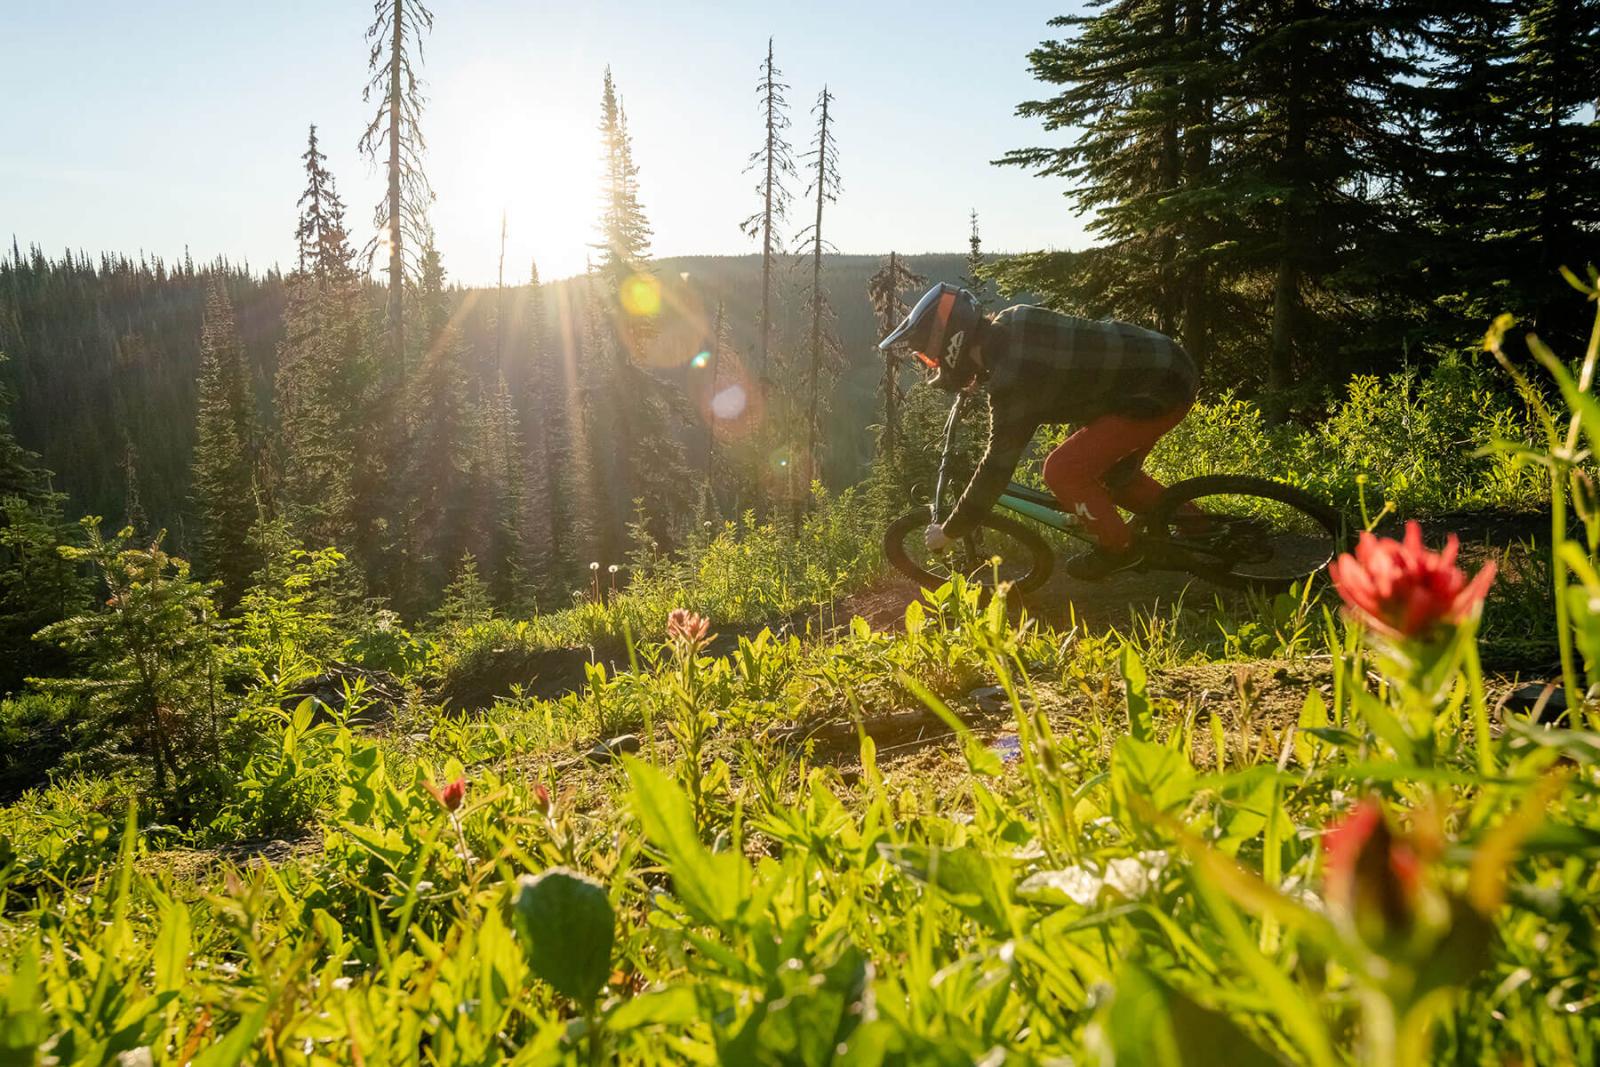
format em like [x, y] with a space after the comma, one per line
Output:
[107, 353]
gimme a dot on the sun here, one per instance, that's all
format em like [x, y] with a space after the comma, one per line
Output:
[537, 164]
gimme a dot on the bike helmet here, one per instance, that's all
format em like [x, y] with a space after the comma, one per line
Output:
[940, 331]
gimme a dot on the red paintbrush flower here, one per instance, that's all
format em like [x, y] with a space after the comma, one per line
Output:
[1371, 877]
[685, 626]
[451, 795]
[1404, 591]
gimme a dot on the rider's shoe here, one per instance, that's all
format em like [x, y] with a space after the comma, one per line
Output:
[1101, 563]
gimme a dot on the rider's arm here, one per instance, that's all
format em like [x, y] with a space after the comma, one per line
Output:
[1007, 441]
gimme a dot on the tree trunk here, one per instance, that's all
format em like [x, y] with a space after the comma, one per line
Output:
[1286, 287]
[1167, 177]
[891, 367]
[711, 406]
[814, 384]
[397, 274]
[1196, 163]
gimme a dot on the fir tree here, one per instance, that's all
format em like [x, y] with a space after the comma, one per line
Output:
[37, 585]
[224, 455]
[152, 666]
[324, 247]
[624, 243]
[327, 410]
[774, 160]
[395, 132]
[885, 292]
[503, 475]
[823, 163]
[438, 489]
[973, 280]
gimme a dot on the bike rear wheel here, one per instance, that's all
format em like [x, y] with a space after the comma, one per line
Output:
[1024, 559]
[1244, 532]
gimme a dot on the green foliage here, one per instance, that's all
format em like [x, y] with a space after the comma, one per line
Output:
[1406, 440]
[152, 662]
[37, 730]
[224, 451]
[289, 617]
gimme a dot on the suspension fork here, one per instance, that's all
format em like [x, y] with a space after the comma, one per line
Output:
[957, 409]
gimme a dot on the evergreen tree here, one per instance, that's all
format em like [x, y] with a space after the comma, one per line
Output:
[1327, 127]
[324, 246]
[152, 667]
[501, 461]
[224, 454]
[624, 244]
[438, 485]
[647, 460]
[327, 410]
[1515, 147]
[823, 163]
[885, 292]
[973, 280]
[37, 585]
[395, 131]
[774, 160]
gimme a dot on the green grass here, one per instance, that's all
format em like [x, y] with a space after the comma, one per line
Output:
[1116, 884]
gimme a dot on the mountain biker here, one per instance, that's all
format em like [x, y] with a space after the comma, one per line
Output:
[1122, 385]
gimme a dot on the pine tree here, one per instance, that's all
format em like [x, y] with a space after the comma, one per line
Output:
[151, 663]
[324, 246]
[401, 217]
[1328, 127]
[823, 163]
[37, 585]
[647, 460]
[774, 160]
[1120, 70]
[973, 280]
[501, 454]
[885, 292]
[624, 244]
[224, 454]
[438, 486]
[327, 410]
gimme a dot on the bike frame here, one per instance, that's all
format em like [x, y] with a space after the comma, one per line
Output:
[1046, 514]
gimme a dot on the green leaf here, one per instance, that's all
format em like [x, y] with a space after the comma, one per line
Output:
[21, 1022]
[1313, 718]
[713, 886]
[567, 925]
[172, 948]
[976, 882]
[1148, 1021]
[1141, 725]
[673, 1006]
[1153, 773]
[232, 1049]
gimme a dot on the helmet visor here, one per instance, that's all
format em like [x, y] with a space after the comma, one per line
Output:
[911, 321]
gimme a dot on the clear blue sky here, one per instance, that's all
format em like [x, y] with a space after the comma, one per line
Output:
[163, 124]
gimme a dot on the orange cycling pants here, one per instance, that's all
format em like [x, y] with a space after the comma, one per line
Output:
[1099, 469]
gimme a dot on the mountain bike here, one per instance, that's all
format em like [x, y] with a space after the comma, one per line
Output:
[1233, 530]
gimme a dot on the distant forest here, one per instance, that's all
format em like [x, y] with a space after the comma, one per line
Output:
[106, 356]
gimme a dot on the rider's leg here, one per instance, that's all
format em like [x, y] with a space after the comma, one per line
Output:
[1077, 469]
[1130, 487]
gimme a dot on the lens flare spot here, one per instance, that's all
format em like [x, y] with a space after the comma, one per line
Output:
[641, 296]
[700, 359]
[729, 403]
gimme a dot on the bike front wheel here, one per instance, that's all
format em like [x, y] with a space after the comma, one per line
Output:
[1244, 532]
[998, 550]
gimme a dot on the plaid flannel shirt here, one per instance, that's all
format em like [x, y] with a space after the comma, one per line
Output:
[1046, 367]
